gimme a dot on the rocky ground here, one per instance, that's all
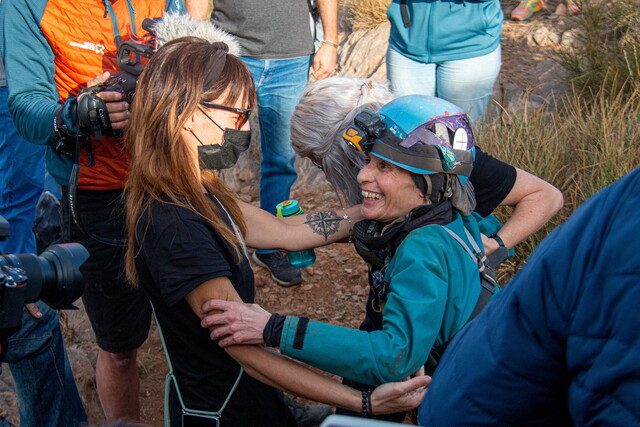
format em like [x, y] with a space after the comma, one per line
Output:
[335, 286]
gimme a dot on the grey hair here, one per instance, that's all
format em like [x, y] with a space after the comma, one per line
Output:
[325, 110]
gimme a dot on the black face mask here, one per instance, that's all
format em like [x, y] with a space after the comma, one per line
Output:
[224, 156]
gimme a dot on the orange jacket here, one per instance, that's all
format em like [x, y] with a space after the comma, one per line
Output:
[58, 46]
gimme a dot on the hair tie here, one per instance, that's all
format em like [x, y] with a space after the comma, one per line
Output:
[216, 64]
[364, 92]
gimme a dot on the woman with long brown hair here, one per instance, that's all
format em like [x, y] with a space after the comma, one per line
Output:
[186, 242]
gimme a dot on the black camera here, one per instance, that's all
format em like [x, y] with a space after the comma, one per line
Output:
[53, 277]
[129, 54]
[91, 110]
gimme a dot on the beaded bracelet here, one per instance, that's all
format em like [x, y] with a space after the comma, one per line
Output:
[366, 401]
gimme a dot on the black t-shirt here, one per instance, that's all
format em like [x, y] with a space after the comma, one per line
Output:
[178, 252]
[492, 180]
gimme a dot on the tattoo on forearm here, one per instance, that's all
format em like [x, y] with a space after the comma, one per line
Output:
[324, 223]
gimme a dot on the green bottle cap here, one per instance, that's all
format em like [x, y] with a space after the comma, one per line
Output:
[288, 208]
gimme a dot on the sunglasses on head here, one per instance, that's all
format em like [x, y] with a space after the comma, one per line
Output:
[243, 114]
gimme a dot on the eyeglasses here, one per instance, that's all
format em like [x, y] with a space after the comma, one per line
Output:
[243, 114]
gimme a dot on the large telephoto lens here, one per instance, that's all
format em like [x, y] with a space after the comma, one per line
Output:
[53, 276]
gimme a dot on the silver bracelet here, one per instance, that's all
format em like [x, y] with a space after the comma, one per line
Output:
[345, 216]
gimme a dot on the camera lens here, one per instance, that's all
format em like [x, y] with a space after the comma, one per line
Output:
[53, 276]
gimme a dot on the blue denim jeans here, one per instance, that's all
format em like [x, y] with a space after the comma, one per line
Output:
[467, 83]
[279, 85]
[45, 388]
[46, 391]
[21, 182]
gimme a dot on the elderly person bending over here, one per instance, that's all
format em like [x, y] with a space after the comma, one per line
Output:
[327, 109]
[417, 235]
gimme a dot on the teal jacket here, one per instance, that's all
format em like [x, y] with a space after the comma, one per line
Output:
[432, 296]
[445, 30]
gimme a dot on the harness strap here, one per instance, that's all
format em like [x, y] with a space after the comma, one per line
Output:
[487, 283]
[479, 258]
[215, 415]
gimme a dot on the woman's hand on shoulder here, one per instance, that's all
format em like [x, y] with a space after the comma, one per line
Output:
[234, 323]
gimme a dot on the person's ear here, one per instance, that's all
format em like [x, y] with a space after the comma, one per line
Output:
[189, 123]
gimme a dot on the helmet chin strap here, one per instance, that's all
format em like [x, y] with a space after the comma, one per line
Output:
[421, 183]
[435, 187]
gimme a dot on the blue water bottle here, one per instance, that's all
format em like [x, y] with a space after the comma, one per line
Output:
[298, 259]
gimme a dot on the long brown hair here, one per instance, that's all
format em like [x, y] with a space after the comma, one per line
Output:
[168, 93]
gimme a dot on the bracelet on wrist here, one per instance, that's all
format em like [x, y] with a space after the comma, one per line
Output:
[497, 238]
[330, 43]
[366, 402]
[346, 217]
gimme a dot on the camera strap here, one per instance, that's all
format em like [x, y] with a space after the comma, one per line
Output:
[73, 204]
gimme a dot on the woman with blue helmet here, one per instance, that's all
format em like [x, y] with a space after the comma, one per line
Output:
[418, 239]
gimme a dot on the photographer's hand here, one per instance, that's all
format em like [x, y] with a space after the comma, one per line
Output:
[33, 310]
[118, 110]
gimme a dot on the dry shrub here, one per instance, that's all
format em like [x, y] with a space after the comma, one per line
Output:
[365, 14]
[605, 55]
[583, 147]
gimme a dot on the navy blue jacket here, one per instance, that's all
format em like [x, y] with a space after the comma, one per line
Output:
[561, 344]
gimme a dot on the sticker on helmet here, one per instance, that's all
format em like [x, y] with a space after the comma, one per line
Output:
[460, 139]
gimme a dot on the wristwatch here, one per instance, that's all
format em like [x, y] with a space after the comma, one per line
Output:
[497, 238]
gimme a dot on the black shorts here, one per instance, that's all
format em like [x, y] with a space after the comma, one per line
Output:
[120, 313]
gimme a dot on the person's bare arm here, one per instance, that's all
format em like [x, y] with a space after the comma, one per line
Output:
[199, 9]
[283, 373]
[324, 61]
[535, 201]
[309, 230]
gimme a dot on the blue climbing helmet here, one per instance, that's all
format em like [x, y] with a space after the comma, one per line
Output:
[421, 134]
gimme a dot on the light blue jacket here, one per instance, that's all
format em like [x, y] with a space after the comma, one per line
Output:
[445, 30]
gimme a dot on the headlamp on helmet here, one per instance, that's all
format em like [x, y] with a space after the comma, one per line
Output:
[419, 142]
